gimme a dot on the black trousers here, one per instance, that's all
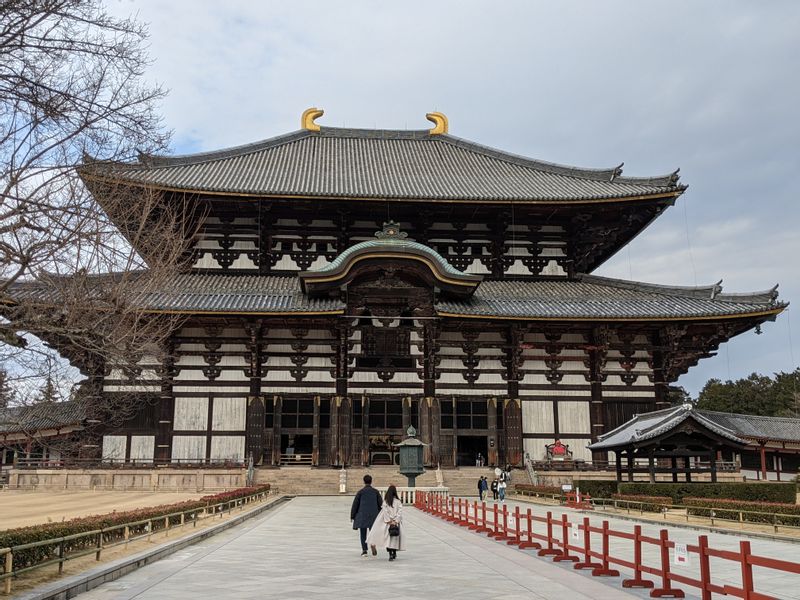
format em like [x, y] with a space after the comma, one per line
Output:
[363, 534]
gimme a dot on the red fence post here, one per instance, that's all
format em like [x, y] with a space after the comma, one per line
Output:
[496, 525]
[483, 528]
[747, 570]
[637, 581]
[514, 539]
[587, 548]
[529, 543]
[705, 567]
[605, 570]
[475, 525]
[549, 551]
[565, 555]
[666, 590]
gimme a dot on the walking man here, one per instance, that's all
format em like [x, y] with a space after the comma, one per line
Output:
[366, 506]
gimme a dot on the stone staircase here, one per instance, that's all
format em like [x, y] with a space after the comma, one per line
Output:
[312, 481]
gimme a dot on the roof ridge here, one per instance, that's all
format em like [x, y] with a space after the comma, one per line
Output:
[769, 417]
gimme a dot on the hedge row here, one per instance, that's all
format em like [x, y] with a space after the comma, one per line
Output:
[758, 492]
[532, 490]
[730, 509]
[36, 533]
[600, 488]
[646, 503]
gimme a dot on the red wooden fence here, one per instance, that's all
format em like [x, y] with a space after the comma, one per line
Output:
[553, 539]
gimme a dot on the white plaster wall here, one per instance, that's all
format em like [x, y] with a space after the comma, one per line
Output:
[114, 447]
[191, 414]
[536, 448]
[229, 414]
[143, 448]
[537, 416]
[228, 447]
[573, 417]
[188, 448]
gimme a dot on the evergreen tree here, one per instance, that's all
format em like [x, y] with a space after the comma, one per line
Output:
[49, 392]
[754, 395]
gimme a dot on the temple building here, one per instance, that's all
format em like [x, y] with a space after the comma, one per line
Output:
[348, 283]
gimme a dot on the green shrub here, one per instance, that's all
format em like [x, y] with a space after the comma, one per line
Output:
[48, 531]
[731, 510]
[646, 503]
[757, 492]
[601, 488]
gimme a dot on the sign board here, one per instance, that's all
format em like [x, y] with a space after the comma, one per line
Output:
[566, 487]
[681, 555]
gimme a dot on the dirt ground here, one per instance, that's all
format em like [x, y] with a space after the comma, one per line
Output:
[19, 508]
[32, 579]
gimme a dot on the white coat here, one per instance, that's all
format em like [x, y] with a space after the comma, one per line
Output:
[379, 534]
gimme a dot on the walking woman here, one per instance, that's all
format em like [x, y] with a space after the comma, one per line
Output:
[389, 521]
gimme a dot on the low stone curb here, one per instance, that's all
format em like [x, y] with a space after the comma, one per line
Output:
[692, 526]
[70, 587]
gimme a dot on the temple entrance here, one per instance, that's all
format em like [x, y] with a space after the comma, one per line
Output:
[468, 448]
[382, 450]
[296, 449]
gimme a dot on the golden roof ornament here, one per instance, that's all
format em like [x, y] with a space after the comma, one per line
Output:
[439, 121]
[308, 118]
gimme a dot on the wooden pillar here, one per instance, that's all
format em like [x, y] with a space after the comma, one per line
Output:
[687, 468]
[674, 465]
[254, 423]
[315, 437]
[166, 408]
[436, 430]
[277, 403]
[712, 459]
[618, 454]
[596, 407]
[659, 375]
[763, 453]
[406, 403]
[629, 454]
[345, 429]
[651, 465]
[364, 430]
[512, 426]
[425, 406]
[493, 457]
[777, 459]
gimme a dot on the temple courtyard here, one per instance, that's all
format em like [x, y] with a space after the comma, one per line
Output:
[307, 549]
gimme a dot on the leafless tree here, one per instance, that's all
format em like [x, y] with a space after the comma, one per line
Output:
[76, 274]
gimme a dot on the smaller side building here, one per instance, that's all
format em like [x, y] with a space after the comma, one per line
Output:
[683, 440]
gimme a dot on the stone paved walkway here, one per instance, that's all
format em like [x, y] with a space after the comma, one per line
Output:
[306, 549]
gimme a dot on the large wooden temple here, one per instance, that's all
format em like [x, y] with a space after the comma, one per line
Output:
[348, 283]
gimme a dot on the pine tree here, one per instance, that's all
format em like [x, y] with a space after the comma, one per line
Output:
[49, 392]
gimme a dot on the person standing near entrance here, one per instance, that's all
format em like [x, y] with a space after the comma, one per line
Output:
[366, 506]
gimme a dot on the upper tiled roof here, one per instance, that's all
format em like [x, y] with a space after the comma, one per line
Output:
[36, 417]
[782, 429]
[360, 163]
[647, 426]
[588, 298]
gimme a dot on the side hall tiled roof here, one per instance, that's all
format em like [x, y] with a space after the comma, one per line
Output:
[587, 298]
[648, 426]
[36, 417]
[362, 163]
[781, 429]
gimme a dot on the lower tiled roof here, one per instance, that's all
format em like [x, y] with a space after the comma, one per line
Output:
[782, 429]
[586, 298]
[45, 415]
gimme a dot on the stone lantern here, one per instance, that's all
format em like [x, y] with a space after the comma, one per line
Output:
[411, 456]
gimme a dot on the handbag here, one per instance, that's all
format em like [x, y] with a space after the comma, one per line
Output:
[394, 530]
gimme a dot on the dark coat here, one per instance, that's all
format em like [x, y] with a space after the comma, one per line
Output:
[366, 506]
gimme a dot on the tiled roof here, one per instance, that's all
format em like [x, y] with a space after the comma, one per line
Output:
[588, 297]
[782, 429]
[603, 298]
[47, 415]
[359, 163]
[651, 425]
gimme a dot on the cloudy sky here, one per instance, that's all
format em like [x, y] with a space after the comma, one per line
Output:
[711, 87]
